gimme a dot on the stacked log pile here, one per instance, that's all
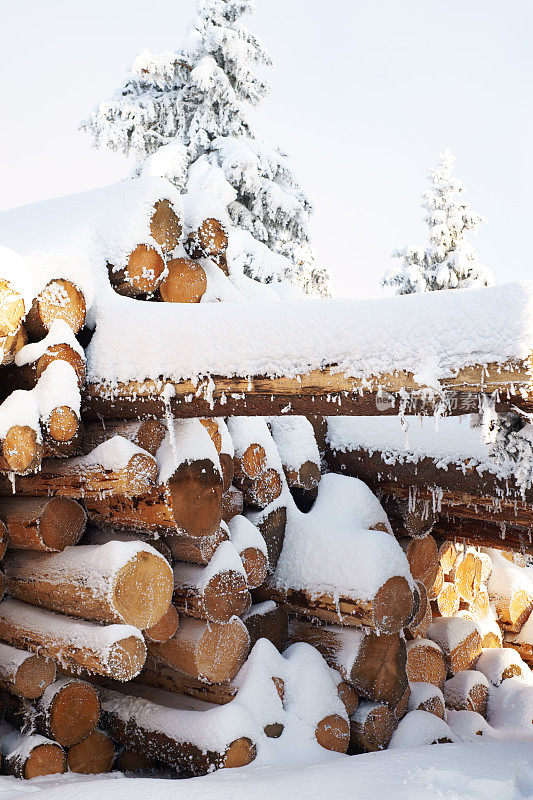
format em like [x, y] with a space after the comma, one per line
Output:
[180, 591]
[469, 646]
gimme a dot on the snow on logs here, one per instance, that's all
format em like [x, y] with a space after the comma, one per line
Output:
[359, 577]
[25, 674]
[188, 495]
[252, 550]
[216, 592]
[258, 469]
[120, 582]
[295, 440]
[467, 691]
[116, 467]
[459, 640]
[371, 727]
[182, 732]
[374, 664]
[29, 755]
[114, 651]
[427, 697]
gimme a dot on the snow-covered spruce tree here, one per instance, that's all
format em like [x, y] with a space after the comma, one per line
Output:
[448, 261]
[198, 97]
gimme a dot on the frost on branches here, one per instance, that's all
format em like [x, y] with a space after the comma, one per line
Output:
[195, 102]
[448, 261]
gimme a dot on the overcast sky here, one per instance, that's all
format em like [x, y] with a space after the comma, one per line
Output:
[365, 95]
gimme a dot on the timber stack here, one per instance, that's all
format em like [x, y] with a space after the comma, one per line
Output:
[178, 590]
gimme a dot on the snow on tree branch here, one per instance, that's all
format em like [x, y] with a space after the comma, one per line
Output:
[448, 261]
[194, 103]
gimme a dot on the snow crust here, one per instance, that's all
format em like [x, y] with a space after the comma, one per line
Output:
[329, 549]
[364, 338]
[295, 440]
[244, 534]
[419, 728]
[59, 333]
[186, 441]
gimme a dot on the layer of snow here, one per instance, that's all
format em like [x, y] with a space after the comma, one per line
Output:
[420, 728]
[20, 408]
[430, 335]
[225, 559]
[186, 441]
[57, 387]
[330, 550]
[458, 688]
[422, 692]
[493, 662]
[59, 333]
[113, 454]
[244, 534]
[295, 440]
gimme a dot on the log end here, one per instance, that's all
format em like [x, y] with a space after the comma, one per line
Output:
[393, 605]
[240, 753]
[333, 733]
[74, 713]
[143, 590]
[45, 759]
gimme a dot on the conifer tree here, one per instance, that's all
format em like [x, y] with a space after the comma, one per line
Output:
[199, 98]
[448, 261]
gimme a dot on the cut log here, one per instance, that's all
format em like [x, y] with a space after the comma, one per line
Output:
[420, 630]
[173, 730]
[29, 755]
[251, 463]
[295, 440]
[21, 451]
[10, 346]
[447, 556]
[524, 650]
[190, 503]
[333, 733]
[349, 697]
[185, 282]
[421, 605]
[459, 641]
[114, 468]
[4, 538]
[196, 549]
[26, 376]
[216, 592]
[93, 756]
[25, 674]
[262, 491]
[434, 590]
[117, 582]
[67, 712]
[419, 728]
[208, 241]
[141, 275]
[427, 697]
[423, 557]
[272, 526]
[479, 606]
[402, 708]
[147, 434]
[371, 727]
[512, 592]
[59, 300]
[165, 629]
[374, 665]
[158, 673]
[47, 525]
[165, 226]
[232, 504]
[467, 691]
[206, 651]
[425, 663]
[11, 309]
[448, 600]
[390, 611]
[467, 576]
[268, 621]
[252, 550]
[115, 651]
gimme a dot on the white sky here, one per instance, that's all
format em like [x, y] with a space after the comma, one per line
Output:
[366, 93]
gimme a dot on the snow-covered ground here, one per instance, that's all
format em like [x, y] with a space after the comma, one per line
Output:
[480, 771]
